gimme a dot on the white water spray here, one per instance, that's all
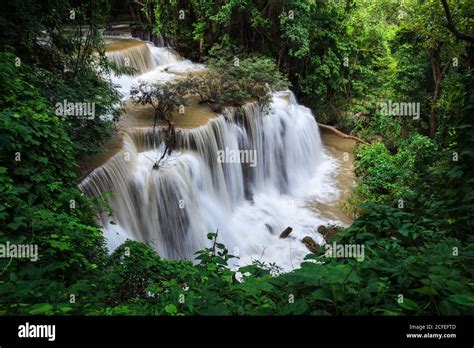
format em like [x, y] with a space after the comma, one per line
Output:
[153, 64]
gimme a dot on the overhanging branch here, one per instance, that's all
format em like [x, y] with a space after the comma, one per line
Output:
[452, 27]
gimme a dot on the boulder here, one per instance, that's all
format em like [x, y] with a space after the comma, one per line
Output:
[310, 243]
[328, 231]
[286, 232]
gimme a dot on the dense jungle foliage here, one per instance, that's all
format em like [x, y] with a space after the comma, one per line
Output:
[414, 199]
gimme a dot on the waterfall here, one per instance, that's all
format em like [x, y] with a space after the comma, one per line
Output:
[163, 55]
[153, 64]
[195, 192]
[136, 55]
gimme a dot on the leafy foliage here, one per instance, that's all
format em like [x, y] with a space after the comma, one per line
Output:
[62, 43]
[38, 187]
[306, 39]
[231, 81]
[164, 98]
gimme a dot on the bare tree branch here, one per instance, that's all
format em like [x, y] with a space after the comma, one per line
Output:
[341, 134]
[452, 27]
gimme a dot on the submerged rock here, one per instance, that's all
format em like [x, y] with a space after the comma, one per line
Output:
[269, 228]
[310, 243]
[286, 232]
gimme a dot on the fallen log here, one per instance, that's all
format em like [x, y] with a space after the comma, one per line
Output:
[341, 134]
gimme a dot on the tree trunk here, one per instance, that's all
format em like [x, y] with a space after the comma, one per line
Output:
[341, 134]
[437, 77]
[433, 116]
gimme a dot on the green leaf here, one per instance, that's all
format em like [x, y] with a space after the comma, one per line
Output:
[41, 308]
[427, 291]
[211, 235]
[299, 307]
[463, 299]
[408, 304]
[211, 267]
[171, 309]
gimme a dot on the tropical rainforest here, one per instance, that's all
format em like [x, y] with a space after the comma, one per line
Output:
[413, 202]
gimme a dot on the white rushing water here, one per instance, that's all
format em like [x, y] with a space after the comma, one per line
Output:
[173, 208]
[153, 64]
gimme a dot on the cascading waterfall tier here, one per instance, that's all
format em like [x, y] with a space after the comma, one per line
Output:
[195, 192]
[132, 53]
[152, 64]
